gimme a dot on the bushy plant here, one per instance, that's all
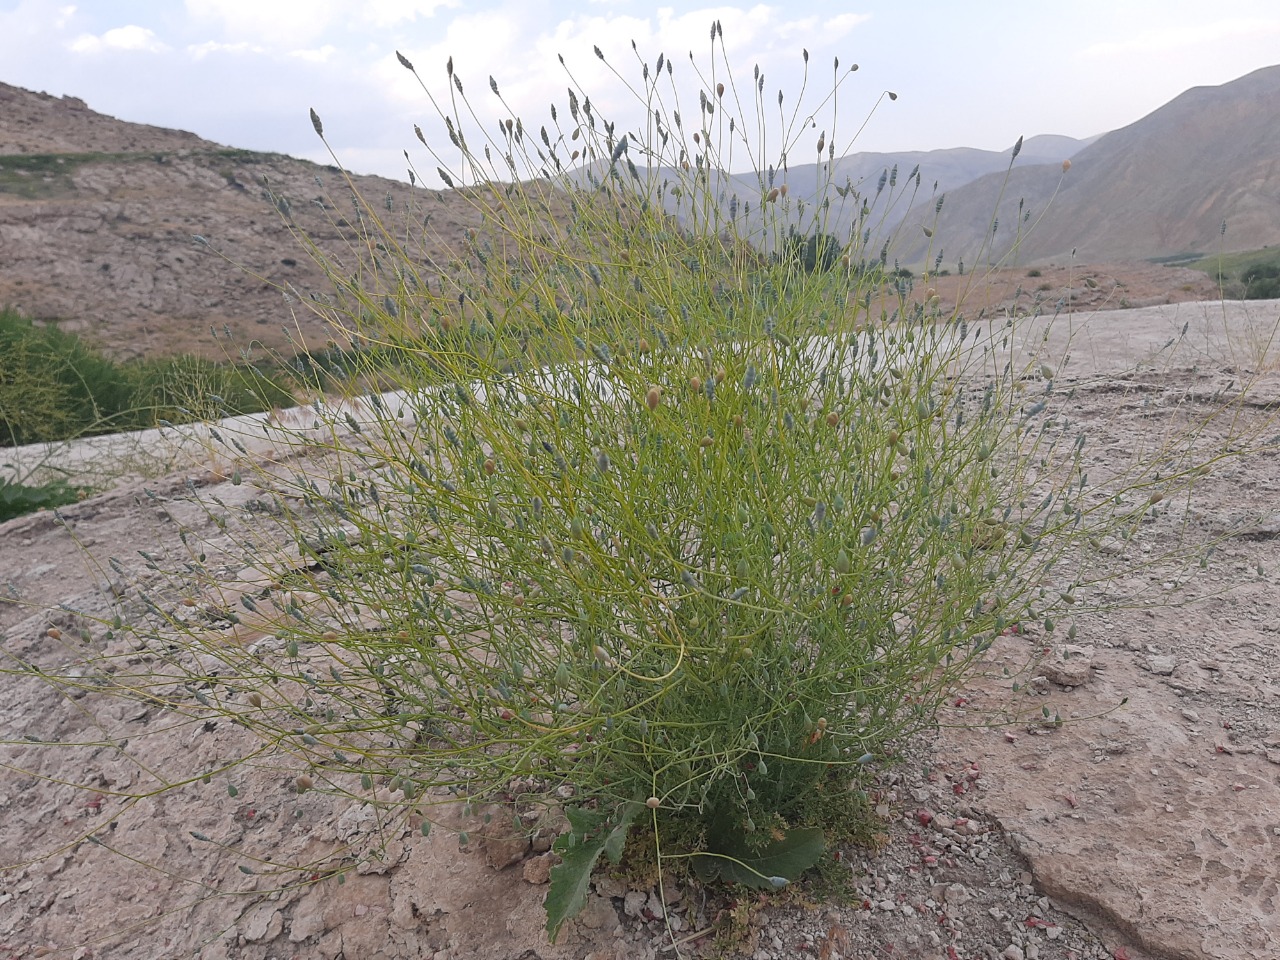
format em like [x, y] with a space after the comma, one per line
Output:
[656, 522]
[54, 386]
[1261, 282]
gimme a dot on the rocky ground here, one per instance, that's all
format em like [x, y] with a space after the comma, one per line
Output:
[1145, 827]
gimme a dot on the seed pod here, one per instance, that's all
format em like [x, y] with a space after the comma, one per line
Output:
[303, 783]
[653, 398]
[653, 803]
[843, 564]
[562, 674]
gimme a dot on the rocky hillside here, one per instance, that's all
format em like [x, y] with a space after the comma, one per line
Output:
[1158, 188]
[97, 219]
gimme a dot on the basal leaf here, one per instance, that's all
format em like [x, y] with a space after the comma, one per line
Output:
[729, 858]
[571, 878]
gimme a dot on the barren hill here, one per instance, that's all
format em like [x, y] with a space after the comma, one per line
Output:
[97, 219]
[1160, 187]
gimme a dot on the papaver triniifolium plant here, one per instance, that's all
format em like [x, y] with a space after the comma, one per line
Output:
[631, 501]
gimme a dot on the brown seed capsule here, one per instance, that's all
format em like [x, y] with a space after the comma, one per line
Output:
[719, 89]
[643, 346]
[330, 635]
[653, 803]
[833, 419]
[188, 602]
[653, 398]
[720, 374]
[705, 442]
[53, 633]
[773, 195]
[695, 384]
[255, 699]
[490, 467]
[782, 190]
[1066, 165]
[737, 419]
[304, 783]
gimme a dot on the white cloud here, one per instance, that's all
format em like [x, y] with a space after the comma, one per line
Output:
[277, 23]
[131, 37]
[837, 27]
[386, 13]
[322, 55]
[1174, 39]
[198, 51]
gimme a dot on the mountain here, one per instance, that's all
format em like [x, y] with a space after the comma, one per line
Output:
[1160, 187]
[98, 216]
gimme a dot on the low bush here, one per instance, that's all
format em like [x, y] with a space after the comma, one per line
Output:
[54, 387]
[1261, 282]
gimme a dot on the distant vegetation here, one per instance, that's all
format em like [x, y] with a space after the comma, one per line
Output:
[54, 386]
[1245, 275]
[32, 176]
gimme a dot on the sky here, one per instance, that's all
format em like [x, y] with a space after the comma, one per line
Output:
[982, 73]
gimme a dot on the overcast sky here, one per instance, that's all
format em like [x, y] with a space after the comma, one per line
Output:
[981, 73]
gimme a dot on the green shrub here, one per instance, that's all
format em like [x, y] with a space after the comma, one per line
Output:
[1261, 282]
[55, 387]
[1034, 272]
[52, 386]
[659, 523]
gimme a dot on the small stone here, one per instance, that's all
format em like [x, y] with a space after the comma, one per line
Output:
[1162, 665]
[597, 914]
[634, 902]
[956, 894]
[655, 906]
[1013, 952]
[1191, 716]
[537, 870]
[1069, 666]
[1053, 932]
